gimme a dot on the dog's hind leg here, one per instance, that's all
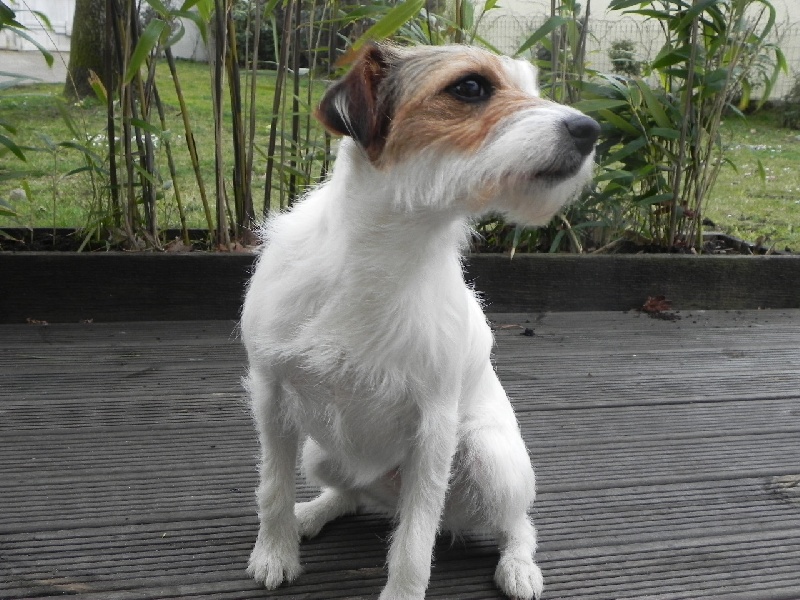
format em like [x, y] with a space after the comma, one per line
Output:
[276, 556]
[335, 500]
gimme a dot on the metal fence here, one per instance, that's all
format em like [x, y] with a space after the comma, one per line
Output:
[508, 32]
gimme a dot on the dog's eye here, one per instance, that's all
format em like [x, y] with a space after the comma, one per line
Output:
[472, 88]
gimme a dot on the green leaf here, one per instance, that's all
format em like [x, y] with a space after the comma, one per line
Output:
[196, 19]
[82, 149]
[627, 150]
[390, 22]
[762, 172]
[68, 120]
[654, 106]
[148, 127]
[8, 126]
[552, 23]
[47, 56]
[177, 36]
[666, 133]
[655, 199]
[669, 56]
[159, 7]
[618, 122]
[150, 37]
[614, 174]
[9, 143]
[696, 10]
[599, 104]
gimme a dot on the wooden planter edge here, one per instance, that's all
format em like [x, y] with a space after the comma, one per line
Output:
[116, 286]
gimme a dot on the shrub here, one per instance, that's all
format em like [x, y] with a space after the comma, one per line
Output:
[623, 58]
[790, 107]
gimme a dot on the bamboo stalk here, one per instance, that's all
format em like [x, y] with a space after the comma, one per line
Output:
[190, 143]
[221, 232]
[111, 133]
[283, 58]
[251, 137]
[172, 171]
[293, 161]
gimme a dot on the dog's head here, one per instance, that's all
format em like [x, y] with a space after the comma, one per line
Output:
[459, 127]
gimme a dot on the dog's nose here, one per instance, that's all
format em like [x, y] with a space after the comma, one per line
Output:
[584, 131]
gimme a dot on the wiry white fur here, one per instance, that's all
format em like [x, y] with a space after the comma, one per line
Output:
[364, 341]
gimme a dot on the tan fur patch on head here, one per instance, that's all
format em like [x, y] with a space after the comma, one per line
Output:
[428, 115]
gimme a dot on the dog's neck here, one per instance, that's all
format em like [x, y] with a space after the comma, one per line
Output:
[371, 204]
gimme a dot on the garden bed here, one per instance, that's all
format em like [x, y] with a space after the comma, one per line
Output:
[119, 286]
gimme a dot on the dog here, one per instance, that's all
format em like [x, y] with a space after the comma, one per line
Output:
[364, 342]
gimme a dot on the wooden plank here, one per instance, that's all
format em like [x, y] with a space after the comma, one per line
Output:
[128, 463]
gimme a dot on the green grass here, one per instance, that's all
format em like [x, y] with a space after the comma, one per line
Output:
[741, 204]
[751, 207]
[63, 200]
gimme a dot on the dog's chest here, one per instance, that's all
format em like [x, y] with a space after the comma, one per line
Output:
[370, 427]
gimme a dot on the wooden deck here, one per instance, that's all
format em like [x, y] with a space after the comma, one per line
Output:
[667, 456]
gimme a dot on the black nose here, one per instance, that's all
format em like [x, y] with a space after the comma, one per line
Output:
[584, 131]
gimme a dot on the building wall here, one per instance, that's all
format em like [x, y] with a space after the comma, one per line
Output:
[61, 12]
[509, 27]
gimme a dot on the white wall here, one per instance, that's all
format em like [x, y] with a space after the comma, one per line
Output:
[786, 9]
[61, 12]
[509, 26]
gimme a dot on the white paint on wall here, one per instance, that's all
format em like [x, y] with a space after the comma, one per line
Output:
[61, 13]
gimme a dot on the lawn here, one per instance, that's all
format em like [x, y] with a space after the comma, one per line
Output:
[742, 204]
[59, 198]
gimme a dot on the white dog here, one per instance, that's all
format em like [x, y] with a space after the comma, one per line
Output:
[363, 338]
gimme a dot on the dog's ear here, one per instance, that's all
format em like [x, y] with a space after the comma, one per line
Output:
[353, 106]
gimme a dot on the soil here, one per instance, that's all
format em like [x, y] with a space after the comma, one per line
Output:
[69, 240]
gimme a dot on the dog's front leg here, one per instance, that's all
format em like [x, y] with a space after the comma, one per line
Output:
[275, 557]
[424, 481]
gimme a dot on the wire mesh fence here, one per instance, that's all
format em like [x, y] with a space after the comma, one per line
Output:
[508, 31]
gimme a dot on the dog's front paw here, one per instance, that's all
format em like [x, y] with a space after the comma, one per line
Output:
[270, 567]
[392, 593]
[519, 578]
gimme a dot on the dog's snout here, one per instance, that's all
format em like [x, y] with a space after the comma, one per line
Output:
[584, 132]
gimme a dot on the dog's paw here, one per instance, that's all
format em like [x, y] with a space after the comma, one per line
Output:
[519, 579]
[391, 593]
[271, 568]
[310, 520]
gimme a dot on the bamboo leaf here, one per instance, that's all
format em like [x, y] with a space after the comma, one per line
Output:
[669, 56]
[627, 150]
[655, 199]
[618, 122]
[16, 150]
[159, 7]
[8, 126]
[147, 42]
[390, 22]
[695, 11]
[596, 105]
[196, 19]
[47, 56]
[654, 105]
[543, 31]
[667, 133]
